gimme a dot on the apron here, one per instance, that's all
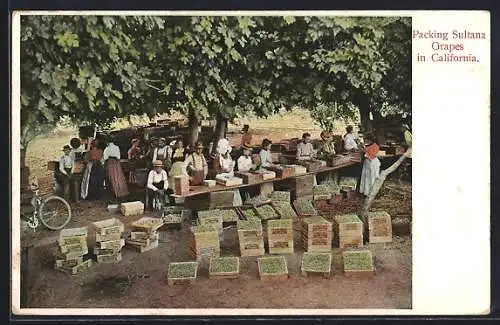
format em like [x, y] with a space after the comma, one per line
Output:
[176, 170]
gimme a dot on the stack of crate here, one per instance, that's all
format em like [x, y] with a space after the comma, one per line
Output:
[250, 237]
[132, 208]
[211, 217]
[108, 240]
[280, 236]
[204, 241]
[350, 230]
[144, 234]
[73, 246]
[317, 234]
[379, 227]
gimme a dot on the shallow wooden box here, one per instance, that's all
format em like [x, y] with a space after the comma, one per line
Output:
[109, 258]
[216, 273]
[351, 257]
[248, 177]
[189, 279]
[379, 227]
[279, 274]
[309, 269]
[147, 224]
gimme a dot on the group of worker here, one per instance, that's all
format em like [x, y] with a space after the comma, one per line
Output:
[102, 168]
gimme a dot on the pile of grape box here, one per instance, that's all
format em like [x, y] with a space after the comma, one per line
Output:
[258, 200]
[358, 262]
[316, 264]
[144, 234]
[172, 217]
[379, 227]
[305, 208]
[272, 268]
[224, 267]
[229, 216]
[210, 217]
[204, 241]
[182, 273]
[284, 210]
[348, 183]
[317, 234]
[350, 230]
[266, 212]
[108, 240]
[250, 237]
[72, 244]
[322, 192]
[249, 213]
[280, 236]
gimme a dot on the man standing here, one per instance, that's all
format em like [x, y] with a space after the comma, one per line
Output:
[65, 168]
[305, 150]
[196, 165]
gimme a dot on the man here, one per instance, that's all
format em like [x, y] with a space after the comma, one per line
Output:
[245, 160]
[327, 148]
[158, 182]
[148, 154]
[246, 138]
[305, 150]
[196, 165]
[163, 152]
[77, 155]
[223, 146]
[65, 168]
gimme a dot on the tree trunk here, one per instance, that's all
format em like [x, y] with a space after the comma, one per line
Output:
[364, 113]
[220, 130]
[194, 126]
[380, 181]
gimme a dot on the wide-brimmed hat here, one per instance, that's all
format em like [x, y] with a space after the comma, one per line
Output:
[66, 147]
[199, 145]
[158, 163]
[162, 139]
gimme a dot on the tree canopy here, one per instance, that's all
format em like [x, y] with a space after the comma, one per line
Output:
[99, 68]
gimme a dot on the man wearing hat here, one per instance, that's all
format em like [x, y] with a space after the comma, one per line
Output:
[246, 138]
[245, 160]
[163, 152]
[65, 167]
[153, 144]
[196, 165]
[158, 182]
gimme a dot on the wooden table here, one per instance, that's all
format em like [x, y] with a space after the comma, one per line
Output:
[203, 189]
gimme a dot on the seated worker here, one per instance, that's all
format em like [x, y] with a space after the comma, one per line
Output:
[351, 140]
[305, 150]
[226, 164]
[158, 182]
[266, 159]
[245, 160]
[327, 147]
[246, 138]
[196, 165]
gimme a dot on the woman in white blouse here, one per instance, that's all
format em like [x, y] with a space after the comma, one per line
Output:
[350, 139]
[266, 159]
[226, 164]
[158, 181]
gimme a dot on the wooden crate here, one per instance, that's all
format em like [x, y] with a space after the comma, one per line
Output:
[74, 248]
[205, 252]
[147, 224]
[72, 255]
[109, 258]
[379, 227]
[112, 244]
[284, 210]
[281, 171]
[229, 181]
[224, 268]
[181, 185]
[222, 199]
[81, 267]
[182, 273]
[314, 263]
[145, 248]
[339, 160]
[316, 224]
[98, 251]
[348, 225]
[358, 263]
[266, 212]
[280, 196]
[272, 268]
[132, 208]
[312, 165]
[252, 252]
[229, 216]
[115, 236]
[68, 263]
[71, 236]
[351, 241]
[108, 227]
[248, 177]
[305, 208]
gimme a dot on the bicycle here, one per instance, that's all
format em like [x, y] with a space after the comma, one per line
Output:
[53, 212]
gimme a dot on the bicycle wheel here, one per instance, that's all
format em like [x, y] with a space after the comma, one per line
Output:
[55, 213]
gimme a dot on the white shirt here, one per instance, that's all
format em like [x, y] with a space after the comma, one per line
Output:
[223, 146]
[65, 162]
[350, 141]
[165, 152]
[112, 150]
[226, 164]
[244, 163]
[155, 177]
[305, 151]
[266, 158]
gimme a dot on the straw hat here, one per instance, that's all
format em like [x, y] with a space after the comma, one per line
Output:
[66, 147]
[158, 163]
[199, 145]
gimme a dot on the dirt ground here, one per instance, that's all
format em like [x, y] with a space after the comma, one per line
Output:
[139, 280]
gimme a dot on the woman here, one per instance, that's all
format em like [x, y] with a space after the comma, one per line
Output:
[178, 157]
[134, 155]
[158, 182]
[371, 166]
[226, 164]
[93, 177]
[245, 160]
[327, 147]
[266, 159]
[350, 139]
[114, 172]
